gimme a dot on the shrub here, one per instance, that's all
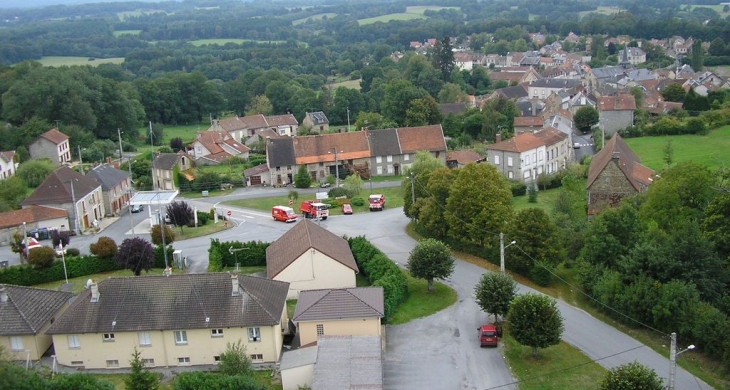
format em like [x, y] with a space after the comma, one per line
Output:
[202, 218]
[517, 187]
[25, 275]
[357, 201]
[41, 257]
[234, 360]
[335, 192]
[254, 253]
[104, 247]
[156, 236]
[160, 256]
[72, 252]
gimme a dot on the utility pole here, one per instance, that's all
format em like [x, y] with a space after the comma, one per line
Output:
[81, 163]
[76, 209]
[152, 150]
[413, 191]
[163, 229]
[129, 196]
[673, 361]
[119, 134]
[501, 250]
[348, 118]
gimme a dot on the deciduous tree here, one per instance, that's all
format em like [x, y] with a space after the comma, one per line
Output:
[235, 360]
[585, 118]
[180, 213]
[538, 240]
[420, 170]
[631, 376]
[430, 259]
[33, 172]
[104, 248]
[535, 321]
[135, 254]
[156, 234]
[494, 293]
[41, 257]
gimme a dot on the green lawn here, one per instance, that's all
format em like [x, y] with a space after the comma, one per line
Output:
[352, 84]
[600, 10]
[420, 302]
[420, 9]
[221, 42]
[710, 150]
[70, 61]
[126, 32]
[186, 132]
[393, 198]
[329, 15]
[389, 17]
[548, 370]
[208, 228]
[79, 283]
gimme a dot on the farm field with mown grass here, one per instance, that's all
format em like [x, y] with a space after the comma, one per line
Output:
[710, 150]
[352, 84]
[387, 18]
[314, 17]
[71, 61]
[603, 10]
[126, 32]
[221, 42]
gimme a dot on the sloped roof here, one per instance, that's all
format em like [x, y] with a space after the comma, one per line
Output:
[318, 118]
[628, 162]
[528, 121]
[54, 136]
[282, 120]
[550, 136]
[7, 155]
[56, 189]
[464, 157]
[320, 148]
[280, 152]
[257, 170]
[384, 142]
[166, 161]
[515, 92]
[107, 176]
[303, 236]
[190, 301]
[30, 214]
[617, 103]
[452, 108]
[415, 139]
[338, 304]
[213, 141]
[28, 309]
[239, 123]
[348, 362]
[556, 83]
[518, 144]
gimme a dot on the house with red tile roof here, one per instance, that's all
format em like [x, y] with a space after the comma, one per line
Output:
[52, 145]
[615, 173]
[214, 146]
[7, 164]
[242, 128]
[526, 156]
[528, 124]
[34, 217]
[616, 112]
[459, 158]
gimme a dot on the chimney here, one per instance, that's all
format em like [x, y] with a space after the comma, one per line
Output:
[498, 138]
[234, 285]
[94, 292]
[3, 296]
[615, 155]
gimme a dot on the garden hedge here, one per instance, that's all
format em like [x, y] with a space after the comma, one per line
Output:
[219, 255]
[25, 275]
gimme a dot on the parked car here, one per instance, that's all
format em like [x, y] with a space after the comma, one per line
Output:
[283, 213]
[137, 208]
[346, 209]
[488, 335]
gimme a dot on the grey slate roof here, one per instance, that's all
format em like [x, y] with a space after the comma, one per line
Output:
[28, 309]
[318, 118]
[384, 142]
[515, 92]
[166, 161]
[303, 236]
[348, 362]
[132, 304]
[556, 83]
[56, 189]
[280, 152]
[108, 176]
[298, 357]
[341, 303]
[607, 72]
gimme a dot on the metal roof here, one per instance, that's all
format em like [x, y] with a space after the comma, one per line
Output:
[153, 197]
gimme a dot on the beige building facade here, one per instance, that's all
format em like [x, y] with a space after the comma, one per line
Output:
[315, 270]
[308, 331]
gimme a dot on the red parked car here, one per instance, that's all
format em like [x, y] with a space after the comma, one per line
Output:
[488, 336]
[346, 209]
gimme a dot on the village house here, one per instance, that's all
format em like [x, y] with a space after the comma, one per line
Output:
[174, 321]
[316, 121]
[165, 168]
[616, 112]
[33, 217]
[459, 158]
[213, 147]
[116, 187]
[330, 154]
[7, 164]
[241, 128]
[526, 156]
[52, 145]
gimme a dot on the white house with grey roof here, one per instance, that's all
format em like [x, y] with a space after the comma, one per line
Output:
[116, 187]
[165, 167]
[174, 321]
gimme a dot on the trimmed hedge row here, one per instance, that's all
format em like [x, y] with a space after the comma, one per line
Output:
[25, 275]
[381, 271]
[220, 256]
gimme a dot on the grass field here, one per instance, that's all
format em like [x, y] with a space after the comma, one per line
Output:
[123, 15]
[601, 10]
[710, 150]
[126, 32]
[420, 302]
[79, 283]
[186, 132]
[329, 15]
[221, 42]
[420, 9]
[70, 61]
[717, 7]
[352, 84]
[390, 17]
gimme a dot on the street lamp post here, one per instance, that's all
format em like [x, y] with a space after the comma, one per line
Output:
[233, 251]
[673, 360]
[63, 259]
[81, 163]
[337, 167]
[501, 250]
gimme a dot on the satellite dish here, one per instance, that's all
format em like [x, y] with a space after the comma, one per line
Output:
[89, 283]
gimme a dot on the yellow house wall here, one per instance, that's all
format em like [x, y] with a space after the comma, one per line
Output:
[37, 344]
[314, 270]
[297, 377]
[350, 327]
[201, 347]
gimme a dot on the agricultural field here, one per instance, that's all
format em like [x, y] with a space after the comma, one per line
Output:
[716, 7]
[709, 150]
[352, 84]
[328, 15]
[601, 10]
[126, 32]
[389, 17]
[420, 9]
[71, 61]
[221, 42]
[123, 15]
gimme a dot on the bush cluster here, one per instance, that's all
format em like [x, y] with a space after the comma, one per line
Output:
[381, 271]
[219, 255]
[202, 218]
[25, 275]
[105, 248]
[357, 201]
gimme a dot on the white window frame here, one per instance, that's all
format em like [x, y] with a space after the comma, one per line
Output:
[181, 337]
[389, 158]
[257, 357]
[108, 337]
[112, 363]
[16, 344]
[379, 170]
[148, 362]
[527, 159]
[145, 339]
[73, 341]
[184, 360]
[378, 159]
[254, 334]
[406, 157]
[216, 332]
[526, 174]
[390, 169]
[496, 160]
[510, 175]
[509, 161]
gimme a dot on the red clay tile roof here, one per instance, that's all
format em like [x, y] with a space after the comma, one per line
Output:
[463, 157]
[212, 141]
[247, 122]
[629, 163]
[282, 120]
[415, 139]
[299, 239]
[551, 136]
[528, 121]
[7, 155]
[30, 214]
[506, 76]
[616, 103]
[54, 136]
[320, 148]
[519, 143]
